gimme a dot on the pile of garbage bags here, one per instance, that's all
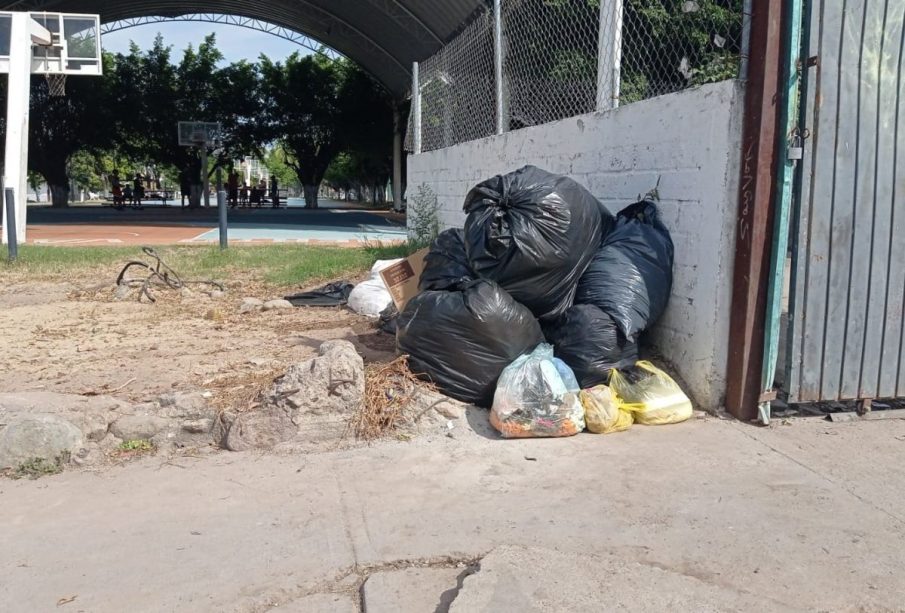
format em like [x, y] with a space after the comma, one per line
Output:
[535, 308]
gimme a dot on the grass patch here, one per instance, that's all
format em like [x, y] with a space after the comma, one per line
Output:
[138, 446]
[35, 468]
[277, 264]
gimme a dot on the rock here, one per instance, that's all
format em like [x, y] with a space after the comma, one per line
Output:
[270, 305]
[88, 455]
[191, 405]
[94, 426]
[122, 292]
[260, 429]
[138, 427]
[330, 384]
[37, 436]
[198, 426]
[186, 292]
[411, 589]
[250, 304]
[217, 294]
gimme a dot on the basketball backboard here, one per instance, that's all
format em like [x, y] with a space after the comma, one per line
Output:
[196, 133]
[75, 48]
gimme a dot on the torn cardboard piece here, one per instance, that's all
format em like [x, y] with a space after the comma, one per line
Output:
[402, 278]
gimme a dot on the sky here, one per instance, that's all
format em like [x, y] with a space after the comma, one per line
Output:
[234, 42]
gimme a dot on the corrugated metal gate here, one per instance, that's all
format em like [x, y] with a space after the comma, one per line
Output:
[848, 228]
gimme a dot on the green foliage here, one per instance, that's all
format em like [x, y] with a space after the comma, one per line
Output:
[35, 468]
[424, 223]
[137, 445]
[280, 164]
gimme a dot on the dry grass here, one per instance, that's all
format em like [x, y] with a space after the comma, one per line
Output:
[242, 391]
[389, 392]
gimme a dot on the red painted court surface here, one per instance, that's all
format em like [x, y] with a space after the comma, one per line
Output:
[79, 234]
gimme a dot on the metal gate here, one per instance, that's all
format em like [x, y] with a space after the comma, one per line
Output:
[848, 225]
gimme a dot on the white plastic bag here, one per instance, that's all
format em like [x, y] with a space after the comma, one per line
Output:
[537, 396]
[370, 297]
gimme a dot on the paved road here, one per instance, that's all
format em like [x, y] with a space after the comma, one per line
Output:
[706, 516]
[161, 225]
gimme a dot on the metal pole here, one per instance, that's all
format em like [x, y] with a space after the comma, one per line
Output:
[221, 208]
[609, 55]
[788, 117]
[205, 177]
[11, 238]
[416, 107]
[745, 50]
[501, 111]
[397, 158]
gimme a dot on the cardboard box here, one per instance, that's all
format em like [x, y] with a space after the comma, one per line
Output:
[402, 278]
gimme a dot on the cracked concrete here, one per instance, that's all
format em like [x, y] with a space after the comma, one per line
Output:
[706, 515]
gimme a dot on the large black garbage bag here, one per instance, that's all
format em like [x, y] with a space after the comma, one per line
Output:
[630, 277]
[588, 340]
[446, 265]
[534, 233]
[462, 340]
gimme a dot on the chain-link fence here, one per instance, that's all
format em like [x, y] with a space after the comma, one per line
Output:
[560, 58]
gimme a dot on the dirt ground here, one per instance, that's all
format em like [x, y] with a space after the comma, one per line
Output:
[74, 337]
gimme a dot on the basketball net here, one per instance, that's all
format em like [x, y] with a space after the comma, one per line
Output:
[56, 84]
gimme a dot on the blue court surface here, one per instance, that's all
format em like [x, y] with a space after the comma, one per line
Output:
[357, 232]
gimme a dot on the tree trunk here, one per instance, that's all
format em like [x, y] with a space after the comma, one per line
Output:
[59, 195]
[310, 196]
[195, 193]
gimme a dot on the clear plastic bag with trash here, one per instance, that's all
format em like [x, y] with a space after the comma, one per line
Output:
[537, 396]
[602, 411]
[652, 396]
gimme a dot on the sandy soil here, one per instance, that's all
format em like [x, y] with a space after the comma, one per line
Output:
[69, 338]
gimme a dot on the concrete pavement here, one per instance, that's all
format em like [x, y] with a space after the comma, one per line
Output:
[707, 515]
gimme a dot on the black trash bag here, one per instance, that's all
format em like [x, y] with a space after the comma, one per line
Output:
[534, 233]
[588, 340]
[331, 294]
[446, 265]
[462, 340]
[630, 277]
[387, 321]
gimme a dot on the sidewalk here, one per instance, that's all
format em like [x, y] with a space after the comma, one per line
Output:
[707, 515]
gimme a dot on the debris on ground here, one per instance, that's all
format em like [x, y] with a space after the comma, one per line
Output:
[157, 274]
[652, 396]
[537, 396]
[390, 390]
[329, 295]
[371, 296]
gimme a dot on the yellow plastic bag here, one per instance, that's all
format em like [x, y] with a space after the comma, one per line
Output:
[654, 398]
[602, 413]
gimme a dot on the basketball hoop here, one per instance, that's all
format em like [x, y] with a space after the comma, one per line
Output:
[56, 84]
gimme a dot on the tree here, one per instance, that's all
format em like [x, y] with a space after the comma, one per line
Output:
[317, 108]
[279, 163]
[303, 111]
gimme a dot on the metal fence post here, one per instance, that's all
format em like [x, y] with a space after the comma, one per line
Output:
[11, 237]
[609, 55]
[500, 94]
[221, 210]
[416, 107]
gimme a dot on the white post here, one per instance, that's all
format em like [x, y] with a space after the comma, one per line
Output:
[502, 108]
[609, 55]
[15, 162]
[416, 107]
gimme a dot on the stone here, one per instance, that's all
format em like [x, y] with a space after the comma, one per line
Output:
[191, 405]
[250, 304]
[94, 426]
[122, 292]
[89, 455]
[37, 436]
[332, 383]
[271, 305]
[138, 427]
[217, 294]
[411, 589]
[260, 429]
[198, 426]
[186, 292]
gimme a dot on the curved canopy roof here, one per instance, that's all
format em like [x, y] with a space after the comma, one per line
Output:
[383, 36]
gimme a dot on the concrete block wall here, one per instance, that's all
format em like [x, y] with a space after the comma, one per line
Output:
[689, 141]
